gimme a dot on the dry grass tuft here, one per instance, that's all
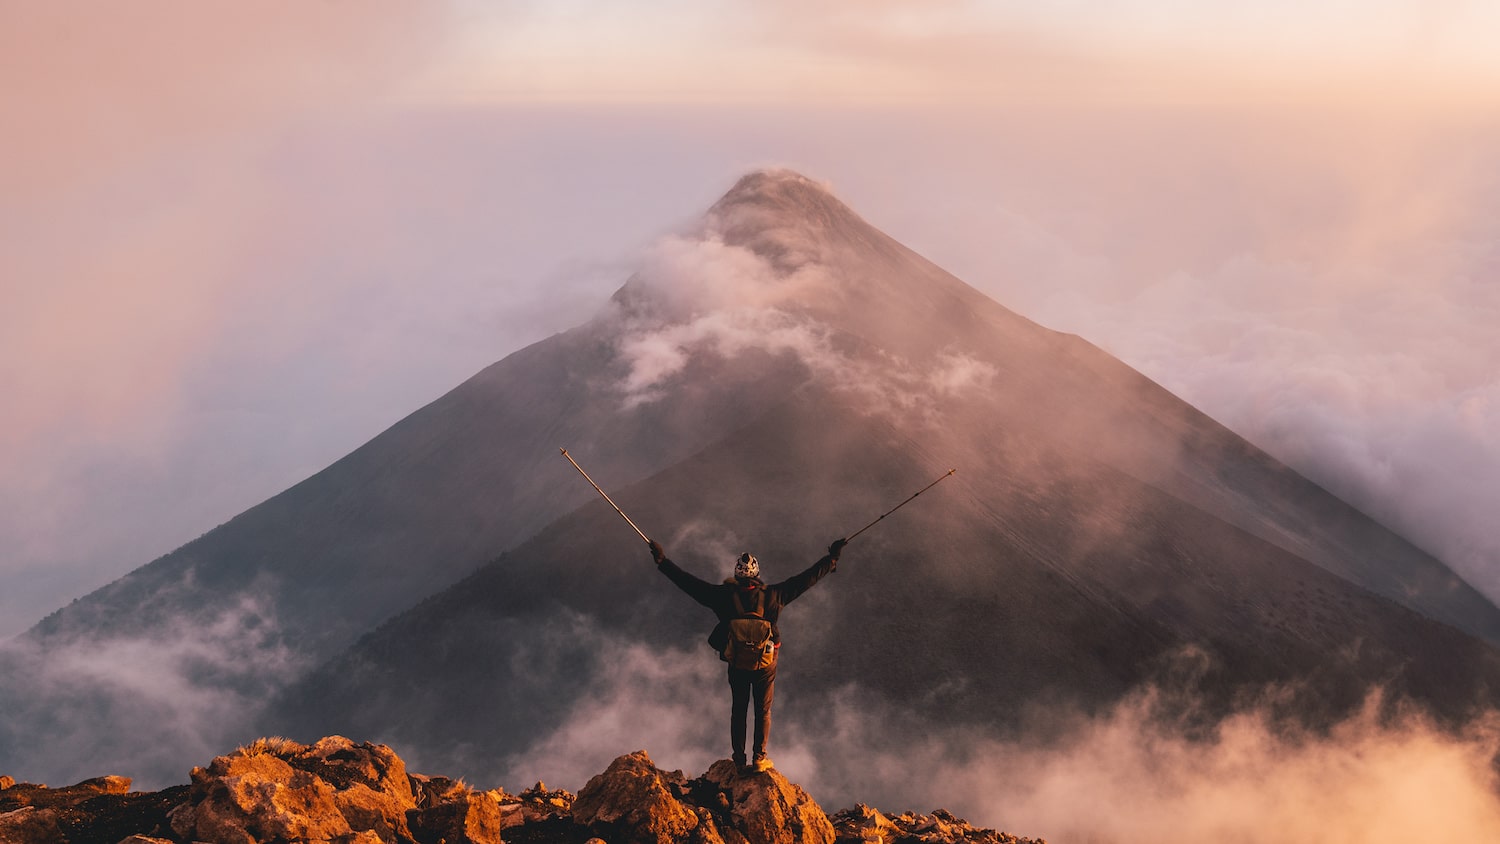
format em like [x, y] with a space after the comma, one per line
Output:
[273, 745]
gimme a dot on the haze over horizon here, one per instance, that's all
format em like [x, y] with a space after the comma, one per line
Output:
[220, 281]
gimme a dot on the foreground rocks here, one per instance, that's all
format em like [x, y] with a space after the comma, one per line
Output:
[337, 790]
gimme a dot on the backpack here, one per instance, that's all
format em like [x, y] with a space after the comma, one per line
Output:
[750, 646]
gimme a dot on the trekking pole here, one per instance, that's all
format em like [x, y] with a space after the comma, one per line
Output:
[606, 496]
[897, 507]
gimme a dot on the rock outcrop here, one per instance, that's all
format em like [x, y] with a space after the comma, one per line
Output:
[634, 802]
[30, 825]
[870, 826]
[15, 795]
[337, 790]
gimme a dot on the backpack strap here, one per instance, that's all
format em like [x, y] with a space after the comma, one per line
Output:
[760, 603]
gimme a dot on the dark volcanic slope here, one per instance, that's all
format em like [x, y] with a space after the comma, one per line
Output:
[1098, 529]
[999, 591]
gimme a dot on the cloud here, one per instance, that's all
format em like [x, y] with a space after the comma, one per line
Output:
[1125, 777]
[140, 703]
[1133, 773]
[710, 298]
[1384, 390]
[1316, 284]
[980, 54]
[660, 700]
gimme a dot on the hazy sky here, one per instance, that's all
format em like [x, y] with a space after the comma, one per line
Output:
[239, 240]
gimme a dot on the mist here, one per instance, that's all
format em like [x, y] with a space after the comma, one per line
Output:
[1132, 773]
[142, 701]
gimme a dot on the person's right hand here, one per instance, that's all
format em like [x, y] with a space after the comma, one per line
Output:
[657, 553]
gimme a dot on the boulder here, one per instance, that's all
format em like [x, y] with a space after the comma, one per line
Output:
[274, 788]
[534, 805]
[864, 824]
[241, 799]
[633, 802]
[433, 791]
[6, 782]
[473, 818]
[764, 808]
[30, 825]
[371, 787]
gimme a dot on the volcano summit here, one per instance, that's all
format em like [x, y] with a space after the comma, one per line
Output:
[770, 380]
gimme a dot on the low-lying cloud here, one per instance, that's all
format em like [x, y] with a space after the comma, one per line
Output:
[663, 701]
[1124, 778]
[149, 704]
[1130, 774]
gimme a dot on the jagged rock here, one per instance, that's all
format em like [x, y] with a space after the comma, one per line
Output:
[242, 799]
[342, 792]
[6, 782]
[473, 818]
[42, 797]
[940, 827]
[633, 802]
[864, 824]
[275, 788]
[30, 825]
[371, 788]
[434, 791]
[765, 808]
[534, 805]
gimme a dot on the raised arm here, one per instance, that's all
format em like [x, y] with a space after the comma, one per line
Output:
[793, 587]
[698, 589]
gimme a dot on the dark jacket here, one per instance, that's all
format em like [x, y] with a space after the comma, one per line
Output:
[719, 597]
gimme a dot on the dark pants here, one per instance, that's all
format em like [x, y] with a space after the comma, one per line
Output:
[743, 684]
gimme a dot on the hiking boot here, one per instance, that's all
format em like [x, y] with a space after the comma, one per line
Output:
[739, 763]
[762, 763]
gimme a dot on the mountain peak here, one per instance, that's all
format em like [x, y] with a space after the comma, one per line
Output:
[788, 219]
[781, 196]
[772, 183]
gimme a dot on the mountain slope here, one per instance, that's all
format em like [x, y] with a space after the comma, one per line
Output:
[1100, 534]
[779, 375]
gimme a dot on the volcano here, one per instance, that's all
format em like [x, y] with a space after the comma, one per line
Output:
[769, 381]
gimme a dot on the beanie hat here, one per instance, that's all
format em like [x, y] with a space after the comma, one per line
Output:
[747, 566]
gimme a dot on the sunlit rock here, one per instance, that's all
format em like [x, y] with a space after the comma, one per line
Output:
[765, 807]
[30, 825]
[472, 818]
[636, 802]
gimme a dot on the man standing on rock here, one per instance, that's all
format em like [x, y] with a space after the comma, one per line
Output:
[747, 636]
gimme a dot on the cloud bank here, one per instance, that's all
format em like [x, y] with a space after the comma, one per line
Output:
[182, 688]
[1129, 775]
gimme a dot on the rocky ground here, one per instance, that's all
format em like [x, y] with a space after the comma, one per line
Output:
[360, 793]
